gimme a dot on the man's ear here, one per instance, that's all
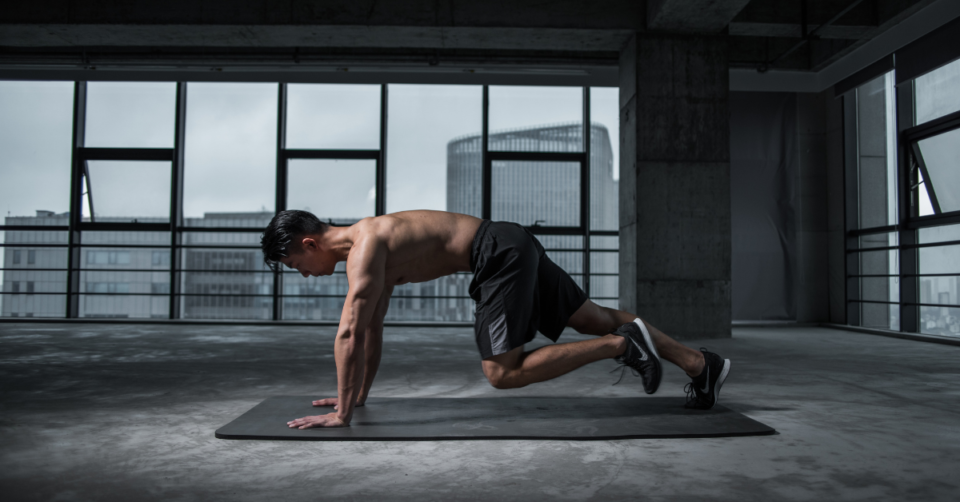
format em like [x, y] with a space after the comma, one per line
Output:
[309, 243]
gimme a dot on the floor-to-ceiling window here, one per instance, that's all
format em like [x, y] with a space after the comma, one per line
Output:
[147, 199]
[903, 202]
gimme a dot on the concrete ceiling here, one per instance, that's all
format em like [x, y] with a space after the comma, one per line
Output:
[429, 32]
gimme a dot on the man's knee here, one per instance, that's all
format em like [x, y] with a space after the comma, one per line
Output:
[499, 381]
[501, 370]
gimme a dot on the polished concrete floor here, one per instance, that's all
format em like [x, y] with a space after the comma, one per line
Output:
[128, 412]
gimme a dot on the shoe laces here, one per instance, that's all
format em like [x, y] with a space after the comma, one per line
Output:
[691, 393]
[623, 369]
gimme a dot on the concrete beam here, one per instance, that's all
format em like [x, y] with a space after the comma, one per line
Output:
[257, 36]
[788, 30]
[692, 16]
[577, 14]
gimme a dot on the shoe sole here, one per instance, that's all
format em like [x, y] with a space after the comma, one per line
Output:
[723, 376]
[653, 348]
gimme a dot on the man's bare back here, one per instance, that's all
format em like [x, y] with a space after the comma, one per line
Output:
[421, 245]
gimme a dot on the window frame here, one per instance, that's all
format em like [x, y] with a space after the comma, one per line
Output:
[909, 165]
[175, 267]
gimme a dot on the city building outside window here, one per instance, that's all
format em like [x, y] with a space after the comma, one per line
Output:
[16, 256]
[31, 257]
[30, 286]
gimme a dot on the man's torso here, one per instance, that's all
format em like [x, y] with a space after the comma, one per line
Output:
[422, 245]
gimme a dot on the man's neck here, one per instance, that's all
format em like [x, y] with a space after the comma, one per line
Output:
[338, 240]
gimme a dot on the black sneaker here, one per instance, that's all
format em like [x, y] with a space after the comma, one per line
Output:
[704, 391]
[641, 355]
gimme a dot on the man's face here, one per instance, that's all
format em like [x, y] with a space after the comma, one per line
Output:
[310, 261]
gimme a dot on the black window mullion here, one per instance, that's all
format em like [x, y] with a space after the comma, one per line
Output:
[908, 254]
[134, 154]
[486, 164]
[76, 200]
[585, 170]
[281, 189]
[176, 200]
[851, 202]
[381, 181]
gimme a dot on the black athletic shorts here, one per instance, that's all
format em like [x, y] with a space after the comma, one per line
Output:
[518, 289]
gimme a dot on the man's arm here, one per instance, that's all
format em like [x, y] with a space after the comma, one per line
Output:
[365, 273]
[373, 345]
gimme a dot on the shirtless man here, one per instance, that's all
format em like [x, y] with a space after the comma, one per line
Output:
[518, 291]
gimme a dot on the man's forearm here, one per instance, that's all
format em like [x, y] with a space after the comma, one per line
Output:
[350, 358]
[373, 345]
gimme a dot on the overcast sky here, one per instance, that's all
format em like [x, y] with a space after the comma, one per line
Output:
[231, 142]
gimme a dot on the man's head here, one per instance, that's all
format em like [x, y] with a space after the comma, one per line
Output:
[291, 238]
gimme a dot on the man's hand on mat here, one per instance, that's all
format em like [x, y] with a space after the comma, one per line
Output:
[328, 420]
[332, 401]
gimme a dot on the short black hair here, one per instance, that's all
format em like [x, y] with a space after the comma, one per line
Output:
[286, 228]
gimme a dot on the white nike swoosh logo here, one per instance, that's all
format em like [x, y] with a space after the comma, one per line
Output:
[706, 383]
[644, 358]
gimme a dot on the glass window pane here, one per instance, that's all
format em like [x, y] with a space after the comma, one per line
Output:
[127, 191]
[120, 282]
[425, 124]
[926, 206]
[561, 241]
[940, 290]
[89, 238]
[223, 238]
[939, 234]
[230, 156]
[34, 305]
[119, 306]
[536, 193]
[36, 124]
[941, 154]
[431, 309]
[104, 258]
[570, 261]
[227, 307]
[131, 114]
[314, 298]
[44, 281]
[881, 289]
[341, 191]
[333, 116]
[604, 262]
[877, 152]
[882, 240]
[604, 242]
[464, 176]
[880, 315]
[605, 286]
[943, 321]
[223, 260]
[879, 262]
[604, 158]
[938, 92]
[536, 119]
[225, 284]
[940, 260]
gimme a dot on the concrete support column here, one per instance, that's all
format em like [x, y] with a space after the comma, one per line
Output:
[675, 183]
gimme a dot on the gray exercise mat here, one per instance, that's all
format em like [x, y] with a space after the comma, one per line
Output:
[419, 419]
